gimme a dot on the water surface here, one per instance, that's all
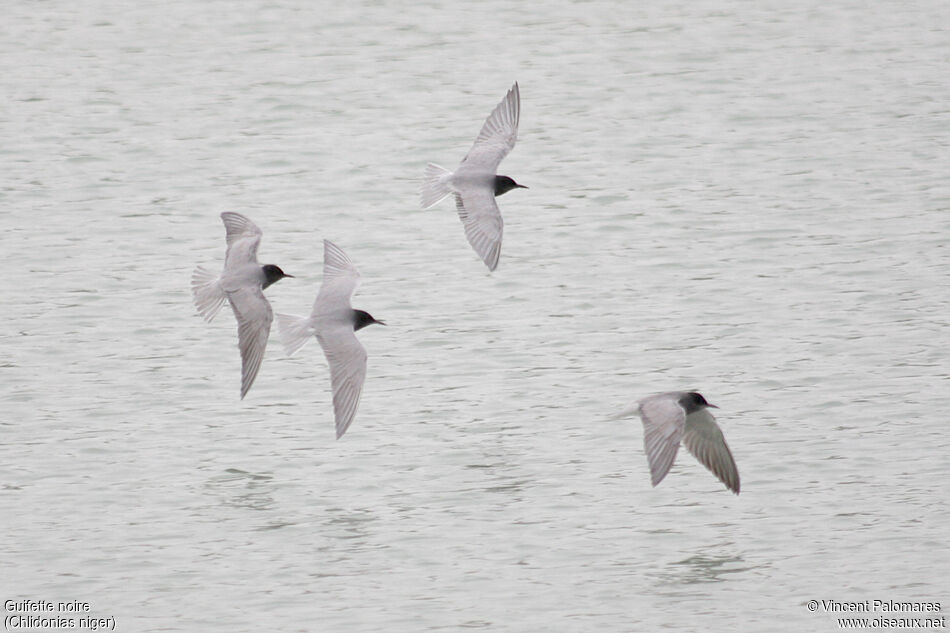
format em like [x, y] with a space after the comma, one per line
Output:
[749, 201]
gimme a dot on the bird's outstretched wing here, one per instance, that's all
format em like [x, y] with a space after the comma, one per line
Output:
[497, 136]
[481, 218]
[347, 359]
[703, 438]
[243, 238]
[664, 422]
[340, 280]
[254, 317]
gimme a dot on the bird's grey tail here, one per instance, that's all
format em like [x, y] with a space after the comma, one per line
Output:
[208, 294]
[295, 331]
[435, 185]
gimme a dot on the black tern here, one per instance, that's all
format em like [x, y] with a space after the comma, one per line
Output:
[475, 182]
[334, 322]
[669, 418]
[242, 283]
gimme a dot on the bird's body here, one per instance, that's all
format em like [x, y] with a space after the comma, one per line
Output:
[241, 284]
[475, 182]
[334, 322]
[683, 416]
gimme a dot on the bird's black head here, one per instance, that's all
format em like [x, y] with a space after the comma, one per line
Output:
[272, 274]
[694, 401]
[504, 184]
[361, 319]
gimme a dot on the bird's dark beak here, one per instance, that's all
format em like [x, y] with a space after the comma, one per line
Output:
[521, 186]
[711, 406]
[378, 321]
[286, 275]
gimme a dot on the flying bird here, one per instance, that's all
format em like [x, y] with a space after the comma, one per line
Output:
[242, 283]
[683, 416]
[334, 322]
[475, 182]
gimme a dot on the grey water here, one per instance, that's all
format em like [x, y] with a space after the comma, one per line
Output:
[748, 199]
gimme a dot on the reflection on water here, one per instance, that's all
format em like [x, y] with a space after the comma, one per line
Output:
[701, 568]
[241, 489]
[348, 523]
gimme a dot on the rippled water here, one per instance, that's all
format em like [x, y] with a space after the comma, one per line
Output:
[747, 200]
